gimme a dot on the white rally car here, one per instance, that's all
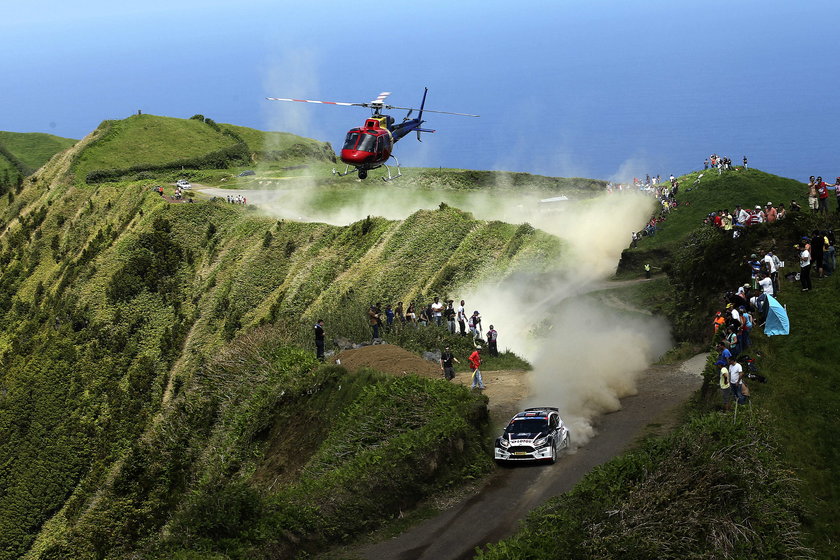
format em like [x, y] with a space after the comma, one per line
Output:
[535, 434]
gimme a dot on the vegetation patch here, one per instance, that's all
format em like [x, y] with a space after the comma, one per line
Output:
[712, 489]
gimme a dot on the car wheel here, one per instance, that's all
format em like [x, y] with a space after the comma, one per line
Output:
[553, 458]
[567, 441]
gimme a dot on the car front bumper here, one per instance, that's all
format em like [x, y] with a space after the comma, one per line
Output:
[522, 453]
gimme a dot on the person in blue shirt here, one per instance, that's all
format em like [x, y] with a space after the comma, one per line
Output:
[723, 357]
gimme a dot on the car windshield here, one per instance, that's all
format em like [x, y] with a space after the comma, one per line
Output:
[527, 426]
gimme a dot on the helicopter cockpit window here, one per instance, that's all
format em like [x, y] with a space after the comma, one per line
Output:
[350, 140]
[367, 144]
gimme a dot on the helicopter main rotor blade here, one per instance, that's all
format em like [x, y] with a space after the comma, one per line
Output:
[389, 107]
[320, 102]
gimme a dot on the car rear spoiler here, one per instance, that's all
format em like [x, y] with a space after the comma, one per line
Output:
[554, 408]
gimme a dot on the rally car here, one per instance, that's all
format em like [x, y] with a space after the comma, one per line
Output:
[535, 434]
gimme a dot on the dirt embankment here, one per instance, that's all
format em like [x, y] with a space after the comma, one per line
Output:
[505, 388]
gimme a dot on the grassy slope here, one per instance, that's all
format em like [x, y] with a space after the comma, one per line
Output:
[803, 395]
[794, 421]
[147, 139]
[715, 192]
[113, 301]
[33, 149]
[261, 141]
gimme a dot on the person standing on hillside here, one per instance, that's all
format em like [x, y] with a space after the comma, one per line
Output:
[804, 268]
[411, 315]
[817, 253]
[812, 194]
[837, 192]
[475, 364]
[475, 324]
[437, 312]
[462, 319]
[725, 387]
[319, 340]
[822, 193]
[772, 213]
[492, 336]
[450, 317]
[373, 320]
[735, 371]
[446, 359]
[745, 162]
[400, 313]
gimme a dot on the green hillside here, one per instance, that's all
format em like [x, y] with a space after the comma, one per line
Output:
[21, 153]
[156, 363]
[762, 485]
[148, 146]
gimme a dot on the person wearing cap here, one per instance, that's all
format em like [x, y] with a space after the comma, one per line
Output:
[475, 364]
[762, 217]
[475, 324]
[719, 321]
[755, 268]
[804, 267]
[446, 359]
[492, 335]
[771, 213]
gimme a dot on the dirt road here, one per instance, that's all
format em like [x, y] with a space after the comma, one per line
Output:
[509, 494]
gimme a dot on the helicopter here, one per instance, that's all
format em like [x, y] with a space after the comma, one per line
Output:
[371, 145]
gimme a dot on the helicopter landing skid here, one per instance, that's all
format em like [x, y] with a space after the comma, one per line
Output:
[399, 171]
[346, 171]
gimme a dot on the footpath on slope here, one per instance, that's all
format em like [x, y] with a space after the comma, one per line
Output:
[494, 511]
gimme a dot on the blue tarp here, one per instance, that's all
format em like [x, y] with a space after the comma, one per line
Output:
[777, 318]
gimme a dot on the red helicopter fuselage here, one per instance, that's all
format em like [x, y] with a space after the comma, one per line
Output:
[370, 145]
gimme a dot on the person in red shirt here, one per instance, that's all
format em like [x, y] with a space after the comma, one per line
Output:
[822, 193]
[475, 364]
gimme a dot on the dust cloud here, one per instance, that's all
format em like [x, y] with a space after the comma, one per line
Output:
[586, 355]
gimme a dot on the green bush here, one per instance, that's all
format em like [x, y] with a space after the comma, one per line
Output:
[712, 489]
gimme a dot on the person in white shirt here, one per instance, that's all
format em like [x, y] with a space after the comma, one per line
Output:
[773, 266]
[462, 319]
[437, 312]
[804, 268]
[766, 284]
[735, 371]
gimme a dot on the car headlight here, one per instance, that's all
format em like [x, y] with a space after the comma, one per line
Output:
[503, 442]
[541, 441]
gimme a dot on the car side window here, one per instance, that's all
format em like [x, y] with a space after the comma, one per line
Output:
[554, 421]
